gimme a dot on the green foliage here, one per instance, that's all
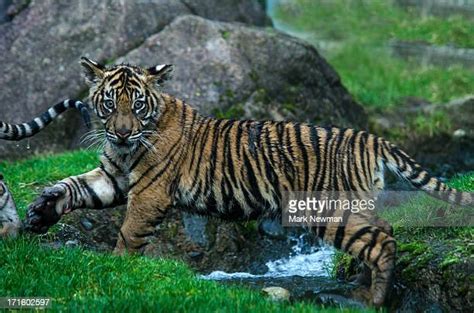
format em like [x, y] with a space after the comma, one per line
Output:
[27, 177]
[378, 80]
[362, 32]
[463, 182]
[374, 21]
[233, 112]
[432, 124]
[225, 34]
[342, 261]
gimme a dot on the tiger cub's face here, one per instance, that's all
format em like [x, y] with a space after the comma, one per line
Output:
[126, 100]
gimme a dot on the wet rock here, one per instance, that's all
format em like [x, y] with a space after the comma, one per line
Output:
[195, 228]
[106, 225]
[335, 298]
[272, 229]
[68, 236]
[41, 47]
[71, 243]
[277, 293]
[86, 224]
[231, 247]
[240, 71]
[195, 255]
[257, 268]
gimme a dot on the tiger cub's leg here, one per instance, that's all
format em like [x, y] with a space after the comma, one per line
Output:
[144, 212]
[372, 245]
[97, 189]
[365, 275]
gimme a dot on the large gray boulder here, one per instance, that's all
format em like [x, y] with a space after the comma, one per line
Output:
[225, 68]
[40, 49]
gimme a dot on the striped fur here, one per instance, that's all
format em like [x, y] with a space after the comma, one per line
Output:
[25, 130]
[9, 220]
[160, 152]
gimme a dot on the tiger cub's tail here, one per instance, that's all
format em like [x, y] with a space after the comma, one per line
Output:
[402, 164]
[25, 130]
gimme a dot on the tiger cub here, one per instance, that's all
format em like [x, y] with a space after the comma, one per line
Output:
[160, 152]
[9, 220]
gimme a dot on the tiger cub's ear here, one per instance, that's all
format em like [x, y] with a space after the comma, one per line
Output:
[93, 71]
[159, 74]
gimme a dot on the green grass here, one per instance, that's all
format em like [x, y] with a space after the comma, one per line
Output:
[362, 59]
[80, 280]
[355, 21]
[26, 178]
[423, 211]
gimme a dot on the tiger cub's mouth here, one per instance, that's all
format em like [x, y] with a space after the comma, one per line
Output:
[122, 141]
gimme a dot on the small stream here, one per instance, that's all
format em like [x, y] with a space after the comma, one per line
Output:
[304, 261]
[305, 273]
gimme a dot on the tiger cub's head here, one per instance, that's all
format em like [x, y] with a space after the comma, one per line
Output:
[126, 99]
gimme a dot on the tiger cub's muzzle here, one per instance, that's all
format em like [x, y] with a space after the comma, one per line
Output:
[124, 137]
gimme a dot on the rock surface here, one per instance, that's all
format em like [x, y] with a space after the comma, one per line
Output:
[40, 49]
[204, 245]
[277, 293]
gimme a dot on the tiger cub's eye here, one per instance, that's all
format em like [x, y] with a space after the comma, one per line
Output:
[109, 104]
[138, 105]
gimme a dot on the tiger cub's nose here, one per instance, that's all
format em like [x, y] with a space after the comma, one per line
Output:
[123, 133]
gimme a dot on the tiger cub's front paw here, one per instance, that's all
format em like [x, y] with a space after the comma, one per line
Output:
[47, 209]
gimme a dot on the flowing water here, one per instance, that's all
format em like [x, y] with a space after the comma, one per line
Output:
[304, 261]
[305, 273]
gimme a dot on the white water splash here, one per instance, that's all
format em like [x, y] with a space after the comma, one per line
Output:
[318, 262]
